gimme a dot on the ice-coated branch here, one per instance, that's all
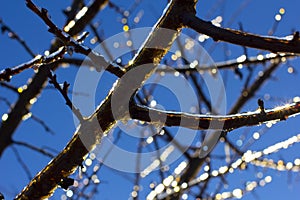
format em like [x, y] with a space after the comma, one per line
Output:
[90, 132]
[216, 122]
[23, 104]
[8, 73]
[289, 44]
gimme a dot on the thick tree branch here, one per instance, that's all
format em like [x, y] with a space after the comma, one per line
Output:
[73, 9]
[272, 44]
[89, 133]
[195, 163]
[87, 14]
[204, 122]
[98, 59]
[22, 106]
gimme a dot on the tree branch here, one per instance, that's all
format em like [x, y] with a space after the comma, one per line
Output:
[249, 157]
[13, 35]
[8, 73]
[98, 59]
[272, 44]
[88, 13]
[250, 92]
[196, 162]
[204, 122]
[22, 106]
[230, 64]
[45, 182]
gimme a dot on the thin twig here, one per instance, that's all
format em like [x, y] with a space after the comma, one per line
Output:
[98, 59]
[42, 123]
[35, 87]
[22, 163]
[8, 73]
[34, 148]
[64, 92]
[250, 92]
[13, 35]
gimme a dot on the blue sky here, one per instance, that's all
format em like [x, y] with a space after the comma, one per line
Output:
[256, 17]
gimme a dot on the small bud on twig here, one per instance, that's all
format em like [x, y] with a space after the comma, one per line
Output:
[66, 183]
[296, 36]
[260, 103]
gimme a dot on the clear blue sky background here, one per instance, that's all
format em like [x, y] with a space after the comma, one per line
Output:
[256, 16]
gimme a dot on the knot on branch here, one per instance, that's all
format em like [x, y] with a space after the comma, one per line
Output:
[45, 12]
[296, 37]
[260, 103]
[65, 183]
[6, 75]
